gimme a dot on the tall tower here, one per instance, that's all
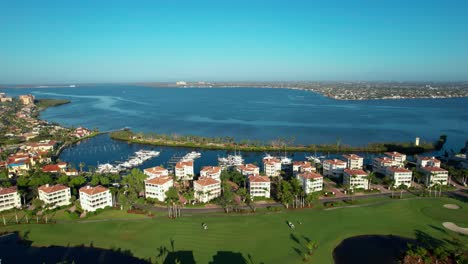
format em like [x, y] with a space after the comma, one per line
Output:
[416, 142]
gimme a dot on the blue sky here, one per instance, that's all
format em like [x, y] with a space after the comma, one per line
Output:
[119, 41]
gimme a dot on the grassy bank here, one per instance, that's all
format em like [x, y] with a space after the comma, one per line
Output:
[266, 238]
[228, 143]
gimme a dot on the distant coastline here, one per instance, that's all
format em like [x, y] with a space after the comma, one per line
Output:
[347, 91]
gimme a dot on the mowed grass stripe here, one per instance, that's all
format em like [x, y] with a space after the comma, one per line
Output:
[265, 237]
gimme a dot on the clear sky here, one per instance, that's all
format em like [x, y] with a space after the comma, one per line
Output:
[166, 40]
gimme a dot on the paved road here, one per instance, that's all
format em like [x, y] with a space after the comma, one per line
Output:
[454, 194]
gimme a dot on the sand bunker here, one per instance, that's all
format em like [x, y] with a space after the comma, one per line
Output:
[451, 206]
[455, 228]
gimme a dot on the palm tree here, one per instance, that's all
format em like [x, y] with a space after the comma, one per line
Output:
[369, 178]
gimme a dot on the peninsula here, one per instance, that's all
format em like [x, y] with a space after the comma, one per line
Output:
[229, 143]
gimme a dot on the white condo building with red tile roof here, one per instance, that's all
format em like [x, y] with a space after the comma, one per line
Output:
[211, 172]
[422, 161]
[401, 176]
[398, 158]
[259, 186]
[353, 161]
[55, 195]
[157, 171]
[310, 181]
[434, 176]
[380, 165]
[9, 198]
[206, 189]
[248, 169]
[272, 167]
[303, 166]
[157, 187]
[333, 167]
[356, 178]
[184, 170]
[93, 198]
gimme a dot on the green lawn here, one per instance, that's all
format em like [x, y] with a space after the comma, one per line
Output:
[265, 237]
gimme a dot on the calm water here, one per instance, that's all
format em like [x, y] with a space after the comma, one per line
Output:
[262, 114]
[102, 149]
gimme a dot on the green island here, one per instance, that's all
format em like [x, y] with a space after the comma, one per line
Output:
[229, 143]
[263, 237]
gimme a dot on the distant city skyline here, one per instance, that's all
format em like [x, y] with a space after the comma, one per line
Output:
[48, 42]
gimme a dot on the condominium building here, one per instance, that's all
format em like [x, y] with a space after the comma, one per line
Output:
[156, 187]
[259, 186]
[356, 178]
[422, 161]
[310, 181]
[333, 167]
[302, 166]
[396, 157]
[157, 171]
[401, 176]
[272, 167]
[184, 170]
[380, 165]
[9, 198]
[248, 169]
[206, 189]
[55, 195]
[211, 172]
[93, 198]
[353, 161]
[434, 176]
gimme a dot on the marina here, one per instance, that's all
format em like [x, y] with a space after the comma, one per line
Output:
[140, 157]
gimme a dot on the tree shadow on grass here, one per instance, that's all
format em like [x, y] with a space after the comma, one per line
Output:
[428, 240]
[294, 238]
[438, 229]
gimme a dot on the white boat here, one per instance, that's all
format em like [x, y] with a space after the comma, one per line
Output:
[286, 161]
[231, 160]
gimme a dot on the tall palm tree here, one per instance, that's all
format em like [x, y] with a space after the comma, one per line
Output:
[369, 178]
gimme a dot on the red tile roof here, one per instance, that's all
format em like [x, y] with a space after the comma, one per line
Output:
[271, 161]
[396, 169]
[159, 180]
[310, 175]
[355, 172]
[258, 178]
[393, 154]
[93, 190]
[211, 169]
[352, 156]
[8, 190]
[52, 188]
[248, 167]
[302, 163]
[156, 170]
[206, 181]
[433, 169]
[51, 168]
[335, 162]
[182, 164]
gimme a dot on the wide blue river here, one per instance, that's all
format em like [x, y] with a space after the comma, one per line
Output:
[263, 114]
[243, 113]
